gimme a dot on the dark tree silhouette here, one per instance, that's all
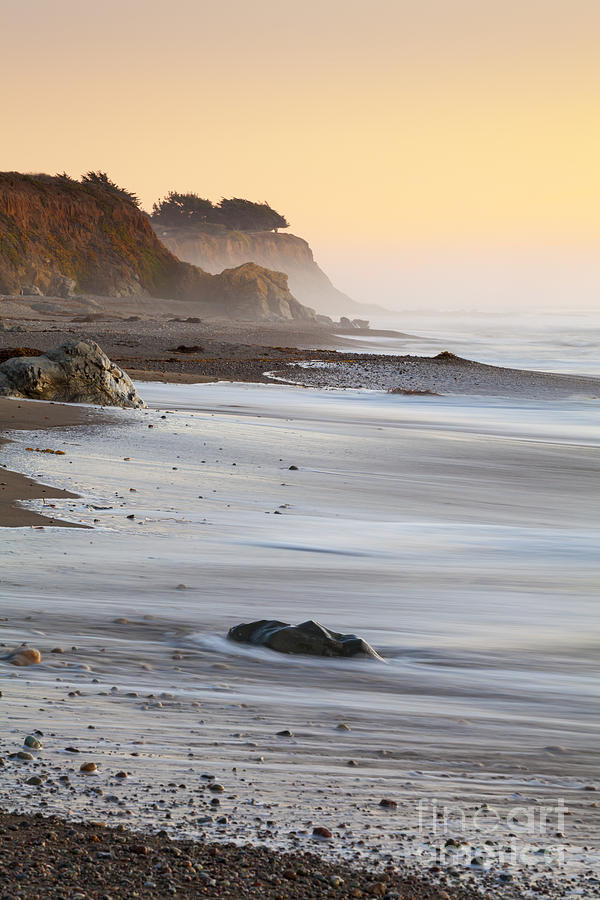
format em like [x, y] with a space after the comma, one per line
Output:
[235, 214]
[177, 209]
[244, 215]
[102, 180]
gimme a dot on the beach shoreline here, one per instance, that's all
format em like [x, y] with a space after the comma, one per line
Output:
[321, 754]
[30, 415]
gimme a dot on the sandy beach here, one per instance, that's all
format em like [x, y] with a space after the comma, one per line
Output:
[457, 557]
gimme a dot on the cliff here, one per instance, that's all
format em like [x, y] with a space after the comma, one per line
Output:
[214, 248]
[59, 236]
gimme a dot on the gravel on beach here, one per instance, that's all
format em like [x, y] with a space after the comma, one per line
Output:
[46, 857]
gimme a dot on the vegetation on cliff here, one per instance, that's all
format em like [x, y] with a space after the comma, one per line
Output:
[89, 236]
[235, 214]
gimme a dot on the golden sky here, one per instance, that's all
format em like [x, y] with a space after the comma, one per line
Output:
[391, 134]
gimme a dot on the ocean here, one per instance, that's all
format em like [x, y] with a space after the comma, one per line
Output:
[549, 342]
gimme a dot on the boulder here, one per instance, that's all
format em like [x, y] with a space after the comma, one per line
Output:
[75, 372]
[310, 638]
[31, 290]
[62, 286]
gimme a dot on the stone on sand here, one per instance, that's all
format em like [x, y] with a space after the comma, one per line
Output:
[310, 638]
[24, 656]
[75, 372]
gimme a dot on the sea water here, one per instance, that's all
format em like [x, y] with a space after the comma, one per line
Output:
[459, 536]
[564, 342]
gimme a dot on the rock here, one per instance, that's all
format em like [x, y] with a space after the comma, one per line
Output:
[75, 372]
[252, 292]
[24, 656]
[62, 286]
[389, 804]
[32, 742]
[34, 780]
[88, 767]
[30, 290]
[24, 755]
[309, 638]
[360, 323]
[322, 832]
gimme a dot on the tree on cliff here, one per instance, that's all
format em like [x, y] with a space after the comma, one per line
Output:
[244, 215]
[102, 180]
[177, 209]
[235, 214]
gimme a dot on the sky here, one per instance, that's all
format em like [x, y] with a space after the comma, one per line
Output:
[439, 153]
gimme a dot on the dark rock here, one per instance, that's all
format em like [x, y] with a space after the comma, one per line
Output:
[309, 638]
[185, 348]
[322, 832]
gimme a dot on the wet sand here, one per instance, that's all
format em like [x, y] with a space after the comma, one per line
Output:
[19, 415]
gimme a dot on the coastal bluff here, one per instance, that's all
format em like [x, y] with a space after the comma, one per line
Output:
[216, 248]
[61, 237]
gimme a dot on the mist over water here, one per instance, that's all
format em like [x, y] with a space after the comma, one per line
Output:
[566, 342]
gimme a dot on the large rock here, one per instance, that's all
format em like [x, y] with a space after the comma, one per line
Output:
[75, 372]
[310, 638]
[257, 294]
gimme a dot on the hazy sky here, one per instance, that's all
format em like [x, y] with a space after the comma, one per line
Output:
[437, 151]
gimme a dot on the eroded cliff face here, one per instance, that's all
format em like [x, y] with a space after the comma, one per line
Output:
[215, 249]
[59, 236]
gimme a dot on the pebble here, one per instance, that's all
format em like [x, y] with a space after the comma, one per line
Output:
[88, 767]
[25, 656]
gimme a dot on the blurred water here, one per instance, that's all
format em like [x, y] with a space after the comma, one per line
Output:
[459, 536]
